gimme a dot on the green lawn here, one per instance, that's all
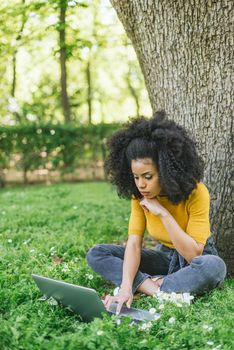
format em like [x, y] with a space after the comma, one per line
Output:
[48, 230]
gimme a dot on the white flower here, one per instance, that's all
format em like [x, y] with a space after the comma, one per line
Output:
[65, 268]
[52, 251]
[75, 207]
[177, 298]
[161, 306]
[27, 241]
[152, 310]
[145, 326]
[210, 342]
[207, 327]
[9, 241]
[174, 296]
[89, 276]
[52, 132]
[118, 322]
[171, 320]
[3, 213]
[187, 298]
[100, 332]
[32, 250]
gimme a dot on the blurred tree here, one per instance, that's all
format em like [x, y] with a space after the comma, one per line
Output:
[12, 22]
[97, 41]
[69, 66]
[133, 78]
[14, 58]
[132, 89]
[63, 57]
[17, 39]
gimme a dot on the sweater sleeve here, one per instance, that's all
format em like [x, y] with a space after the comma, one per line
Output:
[137, 221]
[198, 226]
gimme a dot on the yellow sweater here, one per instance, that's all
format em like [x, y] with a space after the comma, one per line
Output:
[192, 215]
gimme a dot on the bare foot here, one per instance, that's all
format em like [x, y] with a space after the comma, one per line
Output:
[150, 286]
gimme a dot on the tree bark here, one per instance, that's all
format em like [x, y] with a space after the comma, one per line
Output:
[185, 50]
[63, 56]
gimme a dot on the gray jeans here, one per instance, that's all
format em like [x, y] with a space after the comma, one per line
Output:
[203, 274]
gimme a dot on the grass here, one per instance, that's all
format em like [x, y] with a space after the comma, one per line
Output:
[48, 230]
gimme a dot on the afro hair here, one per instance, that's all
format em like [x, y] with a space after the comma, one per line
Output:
[169, 146]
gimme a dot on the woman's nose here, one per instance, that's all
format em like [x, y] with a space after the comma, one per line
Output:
[141, 183]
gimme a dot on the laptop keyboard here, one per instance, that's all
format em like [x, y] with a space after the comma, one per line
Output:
[136, 314]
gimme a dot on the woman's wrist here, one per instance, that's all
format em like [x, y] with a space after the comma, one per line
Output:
[126, 288]
[164, 213]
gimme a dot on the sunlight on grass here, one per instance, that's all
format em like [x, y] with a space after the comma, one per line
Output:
[48, 230]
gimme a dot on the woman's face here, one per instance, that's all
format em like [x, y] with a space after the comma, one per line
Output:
[146, 177]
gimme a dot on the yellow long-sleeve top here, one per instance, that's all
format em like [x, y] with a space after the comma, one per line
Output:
[192, 215]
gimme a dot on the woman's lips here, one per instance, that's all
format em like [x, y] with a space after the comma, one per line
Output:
[145, 193]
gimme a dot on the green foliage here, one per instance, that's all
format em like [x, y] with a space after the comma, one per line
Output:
[55, 147]
[48, 230]
[95, 41]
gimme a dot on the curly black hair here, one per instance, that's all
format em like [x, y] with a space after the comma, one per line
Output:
[169, 146]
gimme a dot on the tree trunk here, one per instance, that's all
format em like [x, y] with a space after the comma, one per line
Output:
[89, 91]
[185, 52]
[133, 92]
[13, 86]
[18, 39]
[14, 59]
[63, 56]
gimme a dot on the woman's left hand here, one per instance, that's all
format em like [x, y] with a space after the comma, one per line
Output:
[153, 206]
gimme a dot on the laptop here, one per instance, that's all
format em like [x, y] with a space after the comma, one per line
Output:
[84, 301]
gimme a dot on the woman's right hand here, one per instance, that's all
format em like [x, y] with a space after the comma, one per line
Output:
[121, 298]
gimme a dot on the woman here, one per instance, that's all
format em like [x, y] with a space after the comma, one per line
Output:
[155, 163]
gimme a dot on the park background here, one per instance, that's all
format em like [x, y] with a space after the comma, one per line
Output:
[70, 77]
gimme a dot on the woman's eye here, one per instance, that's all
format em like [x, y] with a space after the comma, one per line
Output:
[149, 177]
